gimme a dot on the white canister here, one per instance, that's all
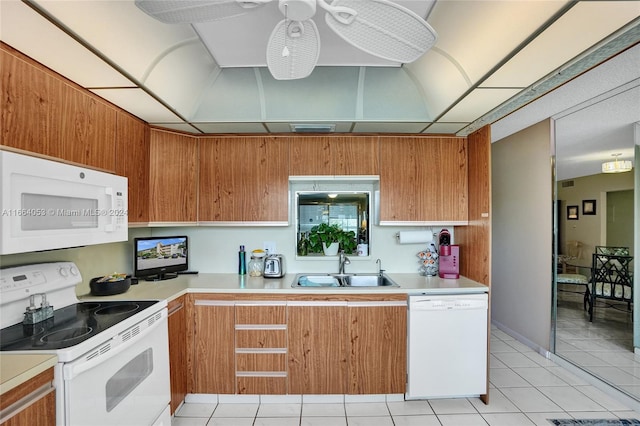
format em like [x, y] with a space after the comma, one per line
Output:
[363, 249]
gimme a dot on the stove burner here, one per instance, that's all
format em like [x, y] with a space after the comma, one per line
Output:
[66, 335]
[87, 306]
[118, 309]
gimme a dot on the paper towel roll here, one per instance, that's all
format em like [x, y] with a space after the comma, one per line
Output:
[414, 237]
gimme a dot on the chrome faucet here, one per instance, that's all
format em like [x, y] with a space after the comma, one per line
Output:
[342, 260]
[380, 270]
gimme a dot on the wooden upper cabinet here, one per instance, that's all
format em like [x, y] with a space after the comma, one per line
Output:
[173, 177]
[132, 161]
[31, 106]
[334, 155]
[244, 179]
[88, 130]
[423, 179]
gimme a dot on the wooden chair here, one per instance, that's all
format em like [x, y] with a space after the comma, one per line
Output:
[611, 279]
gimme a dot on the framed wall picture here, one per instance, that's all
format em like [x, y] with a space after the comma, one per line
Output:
[588, 207]
[572, 212]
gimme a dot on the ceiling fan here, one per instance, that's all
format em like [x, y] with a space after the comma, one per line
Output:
[379, 27]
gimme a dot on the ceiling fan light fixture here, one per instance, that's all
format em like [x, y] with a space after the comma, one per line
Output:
[616, 166]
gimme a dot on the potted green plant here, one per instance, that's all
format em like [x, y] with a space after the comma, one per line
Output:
[328, 239]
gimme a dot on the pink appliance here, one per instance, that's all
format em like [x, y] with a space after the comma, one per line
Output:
[449, 260]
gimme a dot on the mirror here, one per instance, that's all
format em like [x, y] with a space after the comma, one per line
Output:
[342, 216]
[595, 209]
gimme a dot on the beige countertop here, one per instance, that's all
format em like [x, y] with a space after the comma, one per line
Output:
[233, 283]
[17, 369]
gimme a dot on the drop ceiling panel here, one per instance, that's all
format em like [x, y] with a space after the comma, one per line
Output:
[189, 70]
[121, 31]
[579, 29]
[446, 128]
[380, 127]
[27, 31]
[479, 34]
[233, 96]
[329, 93]
[391, 94]
[442, 82]
[139, 103]
[479, 100]
[231, 127]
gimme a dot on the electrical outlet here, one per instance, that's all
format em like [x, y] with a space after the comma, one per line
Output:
[269, 246]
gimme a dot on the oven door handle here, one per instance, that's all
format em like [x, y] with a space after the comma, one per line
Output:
[108, 350]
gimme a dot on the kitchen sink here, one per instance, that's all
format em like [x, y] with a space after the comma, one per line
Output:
[343, 280]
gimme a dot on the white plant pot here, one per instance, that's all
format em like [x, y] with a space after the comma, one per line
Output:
[331, 250]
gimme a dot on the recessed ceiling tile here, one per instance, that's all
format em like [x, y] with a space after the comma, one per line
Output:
[344, 127]
[390, 94]
[477, 103]
[379, 127]
[190, 70]
[445, 128]
[27, 31]
[231, 127]
[233, 96]
[441, 82]
[121, 31]
[579, 29]
[476, 35]
[139, 103]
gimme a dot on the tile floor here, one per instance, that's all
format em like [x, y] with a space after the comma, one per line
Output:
[603, 347]
[526, 389]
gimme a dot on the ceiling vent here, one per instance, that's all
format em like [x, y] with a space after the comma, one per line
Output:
[567, 184]
[313, 128]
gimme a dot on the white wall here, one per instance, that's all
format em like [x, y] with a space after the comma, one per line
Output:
[522, 238]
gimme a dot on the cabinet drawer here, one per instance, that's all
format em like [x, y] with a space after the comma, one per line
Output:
[261, 338]
[261, 312]
[261, 361]
[261, 385]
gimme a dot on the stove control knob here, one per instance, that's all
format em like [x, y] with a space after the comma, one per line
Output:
[73, 270]
[63, 272]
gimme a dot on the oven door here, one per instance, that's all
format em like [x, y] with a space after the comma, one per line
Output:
[126, 385]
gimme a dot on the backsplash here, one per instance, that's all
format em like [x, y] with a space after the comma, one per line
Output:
[214, 250]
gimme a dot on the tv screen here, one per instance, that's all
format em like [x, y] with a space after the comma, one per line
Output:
[160, 258]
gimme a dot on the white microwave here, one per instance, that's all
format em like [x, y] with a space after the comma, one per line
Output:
[48, 205]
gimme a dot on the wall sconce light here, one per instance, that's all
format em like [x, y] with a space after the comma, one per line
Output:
[616, 166]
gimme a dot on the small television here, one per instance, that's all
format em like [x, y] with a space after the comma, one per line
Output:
[160, 258]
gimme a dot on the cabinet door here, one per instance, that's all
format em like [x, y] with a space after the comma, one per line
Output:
[31, 106]
[34, 400]
[177, 351]
[318, 333]
[244, 179]
[132, 161]
[214, 367]
[172, 177]
[88, 129]
[378, 352]
[423, 179]
[334, 155]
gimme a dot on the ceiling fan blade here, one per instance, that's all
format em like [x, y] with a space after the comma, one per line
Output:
[382, 28]
[192, 11]
[293, 49]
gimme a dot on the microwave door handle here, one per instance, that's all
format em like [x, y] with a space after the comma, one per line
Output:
[110, 227]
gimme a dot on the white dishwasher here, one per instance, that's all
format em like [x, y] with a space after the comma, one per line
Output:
[447, 354]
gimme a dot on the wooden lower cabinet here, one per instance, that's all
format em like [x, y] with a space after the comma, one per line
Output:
[41, 412]
[213, 365]
[177, 351]
[378, 340]
[318, 333]
[355, 344]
